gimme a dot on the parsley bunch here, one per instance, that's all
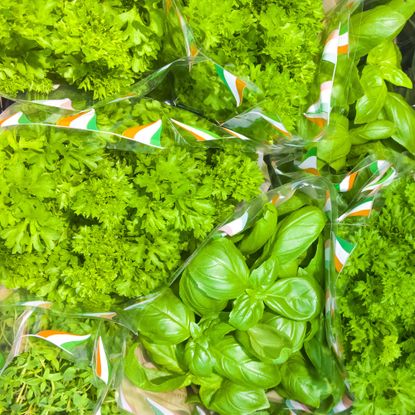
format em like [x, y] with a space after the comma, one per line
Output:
[377, 307]
[99, 46]
[89, 226]
[274, 43]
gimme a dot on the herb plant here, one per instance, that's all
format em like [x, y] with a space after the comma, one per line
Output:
[89, 226]
[365, 106]
[272, 43]
[376, 304]
[102, 47]
[241, 326]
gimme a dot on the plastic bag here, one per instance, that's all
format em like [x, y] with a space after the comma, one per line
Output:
[216, 313]
[355, 111]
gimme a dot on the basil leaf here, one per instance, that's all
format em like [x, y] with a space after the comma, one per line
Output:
[386, 53]
[288, 270]
[265, 274]
[403, 116]
[369, 105]
[198, 301]
[266, 343]
[263, 230]
[315, 268]
[297, 232]
[336, 144]
[376, 130]
[219, 270]
[235, 364]
[294, 203]
[371, 27]
[301, 384]
[294, 330]
[246, 312]
[153, 380]
[395, 76]
[325, 362]
[165, 320]
[199, 358]
[231, 399]
[299, 299]
[165, 356]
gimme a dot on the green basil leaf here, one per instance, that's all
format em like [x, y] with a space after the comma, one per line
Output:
[265, 274]
[232, 399]
[165, 356]
[324, 361]
[294, 203]
[294, 330]
[336, 143]
[197, 300]
[301, 384]
[153, 380]
[372, 80]
[246, 312]
[266, 343]
[219, 270]
[403, 116]
[216, 328]
[369, 105]
[235, 364]
[395, 76]
[199, 358]
[376, 130]
[386, 53]
[315, 268]
[299, 299]
[262, 231]
[370, 28]
[288, 270]
[165, 320]
[297, 232]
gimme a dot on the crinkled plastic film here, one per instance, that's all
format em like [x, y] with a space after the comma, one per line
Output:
[320, 193]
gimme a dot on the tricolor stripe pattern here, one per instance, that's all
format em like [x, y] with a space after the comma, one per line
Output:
[122, 401]
[189, 41]
[330, 303]
[101, 362]
[158, 409]
[85, 120]
[309, 163]
[297, 406]
[379, 167]
[318, 113]
[198, 133]
[63, 340]
[37, 304]
[343, 45]
[236, 226]
[108, 316]
[327, 205]
[327, 255]
[65, 103]
[149, 134]
[331, 47]
[337, 44]
[233, 83]
[235, 134]
[343, 405]
[342, 251]
[380, 181]
[16, 119]
[347, 183]
[276, 124]
[363, 209]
